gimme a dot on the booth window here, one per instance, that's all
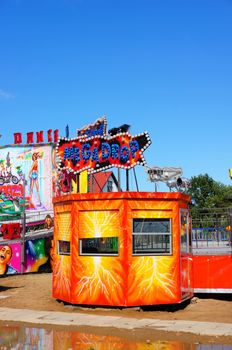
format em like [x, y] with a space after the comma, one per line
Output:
[63, 247]
[99, 246]
[152, 237]
[185, 231]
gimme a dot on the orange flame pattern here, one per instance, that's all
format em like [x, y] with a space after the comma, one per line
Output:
[122, 280]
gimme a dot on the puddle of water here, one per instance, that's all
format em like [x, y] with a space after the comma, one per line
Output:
[30, 338]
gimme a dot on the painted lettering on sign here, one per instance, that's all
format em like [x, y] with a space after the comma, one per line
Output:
[52, 136]
[12, 190]
[98, 153]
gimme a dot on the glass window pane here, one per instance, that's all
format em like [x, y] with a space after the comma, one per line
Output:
[151, 226]
[152, 236]
[63, 247]
[99, 246]
[151, 244]
[184, 231]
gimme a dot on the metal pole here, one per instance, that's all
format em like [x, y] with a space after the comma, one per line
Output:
[127, 180]
[136, 182]
[156, 187]
[119, 181]
[78, 182]
[230, 232]
[23, 233]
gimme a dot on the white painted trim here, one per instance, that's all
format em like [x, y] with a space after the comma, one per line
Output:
[213, 290]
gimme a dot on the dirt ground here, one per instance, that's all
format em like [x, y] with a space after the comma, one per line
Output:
[34, 291]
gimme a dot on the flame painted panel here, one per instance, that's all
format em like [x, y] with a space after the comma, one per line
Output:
[62, 263]
[98, 279]
[153, 279]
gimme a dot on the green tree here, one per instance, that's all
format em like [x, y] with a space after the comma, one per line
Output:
[207, 193]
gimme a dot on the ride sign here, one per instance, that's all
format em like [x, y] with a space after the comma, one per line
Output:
[101, 152]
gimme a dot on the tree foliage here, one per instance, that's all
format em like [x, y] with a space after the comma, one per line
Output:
[208, 193]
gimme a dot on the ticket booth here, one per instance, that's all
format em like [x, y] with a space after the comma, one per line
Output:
[122, 248]
[118, 248]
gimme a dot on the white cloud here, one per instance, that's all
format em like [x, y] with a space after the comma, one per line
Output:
[5, 95]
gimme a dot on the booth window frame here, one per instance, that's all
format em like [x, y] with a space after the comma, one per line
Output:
[60, 252]
[167, 252]
[186, 229]
[105, 253]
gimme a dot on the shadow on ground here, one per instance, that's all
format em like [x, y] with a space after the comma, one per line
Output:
[4, 288]
[151, 308]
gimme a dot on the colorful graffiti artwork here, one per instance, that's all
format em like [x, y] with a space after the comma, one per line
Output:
[9, 259]
[27, 179]
[35, 164]
[11, 206]
[37, 255]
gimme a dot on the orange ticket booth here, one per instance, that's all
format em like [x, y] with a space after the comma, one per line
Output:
[122, 249]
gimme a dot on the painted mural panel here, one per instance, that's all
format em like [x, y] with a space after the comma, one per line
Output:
[153, 276]
[9, 258]
[99, 223]
[99, 271]
[37, 255]
[33, 162]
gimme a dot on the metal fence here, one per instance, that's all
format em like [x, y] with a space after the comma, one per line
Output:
[211, 232]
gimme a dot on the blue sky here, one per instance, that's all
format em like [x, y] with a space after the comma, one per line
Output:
[161, 66]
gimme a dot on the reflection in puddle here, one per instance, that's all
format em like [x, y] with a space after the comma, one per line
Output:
[28, 338]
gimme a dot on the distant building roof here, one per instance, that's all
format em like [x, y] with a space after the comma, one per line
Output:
[98, 181]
